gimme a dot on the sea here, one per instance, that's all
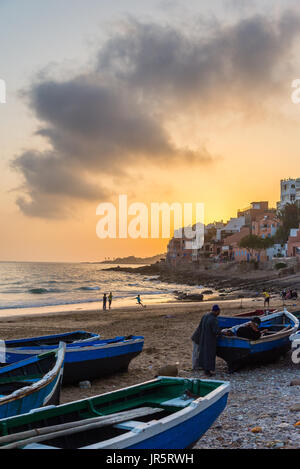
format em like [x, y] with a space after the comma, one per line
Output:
[34, 287]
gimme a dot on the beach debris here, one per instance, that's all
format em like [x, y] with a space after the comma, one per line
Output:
[168, 370]
[256, 430]
[190, 297]
[151, 350]
[279, 444]
[283, 425]
[85, 385]
[295, 382]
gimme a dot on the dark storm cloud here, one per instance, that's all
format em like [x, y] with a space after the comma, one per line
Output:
[48, 179]
[106, 125]
[172, 65]
[113, 119]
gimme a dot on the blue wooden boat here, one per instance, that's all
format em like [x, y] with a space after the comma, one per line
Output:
[67, 337]
[165, 413]
[237, 351]
[85, 360]
[31, 383]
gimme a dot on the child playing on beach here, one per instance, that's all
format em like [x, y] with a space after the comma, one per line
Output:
[138, 298]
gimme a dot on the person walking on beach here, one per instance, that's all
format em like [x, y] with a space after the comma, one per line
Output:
[205, 342]
[104, 301]
[267, 298]
[138, 298]
[110, 298]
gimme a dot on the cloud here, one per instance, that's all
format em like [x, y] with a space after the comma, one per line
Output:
[114, 119]
[176, 68]
[48, 179]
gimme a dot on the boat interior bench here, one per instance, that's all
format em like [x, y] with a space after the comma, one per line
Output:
[131, 425]
[178, 402]
[134, 425]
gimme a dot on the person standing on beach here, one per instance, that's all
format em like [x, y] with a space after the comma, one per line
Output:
[104, 301]
[267, 298]
[205, 342]
[110, 298]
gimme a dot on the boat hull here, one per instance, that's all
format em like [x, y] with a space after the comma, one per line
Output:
[238, 356]
[95, 368]
[89, 361]
[186, 434]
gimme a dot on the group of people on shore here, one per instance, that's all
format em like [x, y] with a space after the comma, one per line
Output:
[109, 298]
[289, 295]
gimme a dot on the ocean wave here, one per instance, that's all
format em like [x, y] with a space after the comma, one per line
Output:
[47, 304]
[89, 288]
[43, 291]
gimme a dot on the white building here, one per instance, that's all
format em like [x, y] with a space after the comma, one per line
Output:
[289, 192]
[277, 251]
[233, 226]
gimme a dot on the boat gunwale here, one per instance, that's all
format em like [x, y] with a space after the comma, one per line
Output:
[277, 335]
[73, 348]
[61, 336]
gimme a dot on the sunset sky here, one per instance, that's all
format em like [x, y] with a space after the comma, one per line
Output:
[162, 100]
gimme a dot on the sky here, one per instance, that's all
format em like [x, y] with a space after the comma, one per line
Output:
[163, 101]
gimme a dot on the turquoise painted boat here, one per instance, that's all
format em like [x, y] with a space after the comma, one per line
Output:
[31, 383]
[165, 413]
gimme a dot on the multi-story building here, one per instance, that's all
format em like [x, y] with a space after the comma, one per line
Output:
[265, 226]
[181, 249]
[256, 210]
[231, 244]
[294, 243]
[289, 192]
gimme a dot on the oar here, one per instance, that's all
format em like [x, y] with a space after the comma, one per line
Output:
[18, 440]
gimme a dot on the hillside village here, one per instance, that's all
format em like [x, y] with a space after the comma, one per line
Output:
[259, 235]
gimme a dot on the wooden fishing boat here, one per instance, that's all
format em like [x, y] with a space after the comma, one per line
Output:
[86, 360]
[31, 383]
[67, 337]
[165, 413]
[237, 351]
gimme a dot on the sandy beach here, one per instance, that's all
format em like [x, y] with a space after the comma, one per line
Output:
[167, 329]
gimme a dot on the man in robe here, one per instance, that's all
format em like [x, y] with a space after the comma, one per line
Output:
[205, 342]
